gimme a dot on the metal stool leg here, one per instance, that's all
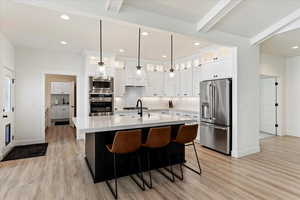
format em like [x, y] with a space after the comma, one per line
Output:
[200, 170]
[172, 179]
[140, 176]
[115, 193]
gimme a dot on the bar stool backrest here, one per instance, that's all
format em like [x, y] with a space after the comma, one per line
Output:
[187, 133]
[127, 141]
[158, 137]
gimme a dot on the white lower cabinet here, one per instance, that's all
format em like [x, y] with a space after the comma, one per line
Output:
[60, 112]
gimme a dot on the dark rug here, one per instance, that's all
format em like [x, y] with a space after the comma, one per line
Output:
[62, 123]
[26, 151]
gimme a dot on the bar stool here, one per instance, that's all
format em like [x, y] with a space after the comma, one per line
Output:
[125, 142]
[158, 138]
[186, 135]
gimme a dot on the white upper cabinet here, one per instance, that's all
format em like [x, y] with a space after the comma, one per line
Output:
[218, 64]
[132, 78]
[186, 80]
[155, 86]
[119, 79]
[196, 79]
[217, 69]
[169, 85]
[61, 87]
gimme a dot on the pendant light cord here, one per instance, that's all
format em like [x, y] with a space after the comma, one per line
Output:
[139, 48]
[100, 30]
[171, 51]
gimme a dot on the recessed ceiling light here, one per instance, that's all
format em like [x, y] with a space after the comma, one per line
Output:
[63, 42]
[164, 56]
[65, 17]
[295, 47]
[145, 33]
[196, 43]
[121, 50]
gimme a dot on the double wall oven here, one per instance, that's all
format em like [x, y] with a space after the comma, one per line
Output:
[101, 95]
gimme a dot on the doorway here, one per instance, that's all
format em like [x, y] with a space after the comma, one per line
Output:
[8, 107]
[60, 100]
[268, 106]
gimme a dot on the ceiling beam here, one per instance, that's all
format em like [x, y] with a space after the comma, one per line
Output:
[275, 28]
[220, 10]
[114, 6]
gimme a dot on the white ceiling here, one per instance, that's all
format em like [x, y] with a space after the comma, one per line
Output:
[251, 17]
[45, 29]
[282, 44]
[191, 10]
[247, 19]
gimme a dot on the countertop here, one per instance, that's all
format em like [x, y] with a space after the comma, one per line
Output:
[158, 109]
[116, 122]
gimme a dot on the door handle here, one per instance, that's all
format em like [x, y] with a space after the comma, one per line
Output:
[5, 116]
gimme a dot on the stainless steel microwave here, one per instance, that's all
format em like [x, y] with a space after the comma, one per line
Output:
[101, 84]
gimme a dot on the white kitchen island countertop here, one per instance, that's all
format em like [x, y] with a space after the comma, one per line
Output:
[116, 122]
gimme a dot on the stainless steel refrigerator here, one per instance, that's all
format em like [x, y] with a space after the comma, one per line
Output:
[215, 115]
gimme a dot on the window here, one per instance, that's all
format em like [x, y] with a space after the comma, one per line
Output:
[7, 94]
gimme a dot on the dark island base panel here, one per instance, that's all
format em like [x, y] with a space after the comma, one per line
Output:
[100, 160]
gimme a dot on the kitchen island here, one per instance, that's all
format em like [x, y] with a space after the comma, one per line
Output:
[100, 131]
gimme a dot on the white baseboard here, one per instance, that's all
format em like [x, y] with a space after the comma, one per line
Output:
[245, 151]
[26, 142]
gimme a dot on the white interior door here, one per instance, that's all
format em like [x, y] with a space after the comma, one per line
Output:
[7, 107]
[267, 105]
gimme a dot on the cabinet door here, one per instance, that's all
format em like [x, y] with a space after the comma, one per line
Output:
[132, 78]
[54, 112]
[119, 85]
[155, 84]
[66, 87]
[217, 69]
[186, 82]
[55, 87]
[169, 85]
[64, 111]
[196, 81]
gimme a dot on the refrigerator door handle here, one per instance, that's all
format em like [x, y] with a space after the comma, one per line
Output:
[214, 102]
[211, 100]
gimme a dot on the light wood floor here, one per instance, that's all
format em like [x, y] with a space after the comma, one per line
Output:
[62, 174]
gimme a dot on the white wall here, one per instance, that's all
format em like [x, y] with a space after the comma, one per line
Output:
[274, 65]
[31, 67]
[293, 96]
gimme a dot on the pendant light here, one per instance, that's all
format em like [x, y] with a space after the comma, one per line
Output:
[139, 67]
[172, 73]
[101, 63]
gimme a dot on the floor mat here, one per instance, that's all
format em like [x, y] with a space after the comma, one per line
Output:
[62, 123]
[26, 151]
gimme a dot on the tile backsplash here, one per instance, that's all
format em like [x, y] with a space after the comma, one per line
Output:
[132, 94]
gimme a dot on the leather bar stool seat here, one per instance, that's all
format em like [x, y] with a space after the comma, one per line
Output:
[126, 142]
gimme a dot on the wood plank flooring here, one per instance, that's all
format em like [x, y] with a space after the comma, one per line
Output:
[62, 174]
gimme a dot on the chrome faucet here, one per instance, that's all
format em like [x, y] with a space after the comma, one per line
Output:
[139, 105]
